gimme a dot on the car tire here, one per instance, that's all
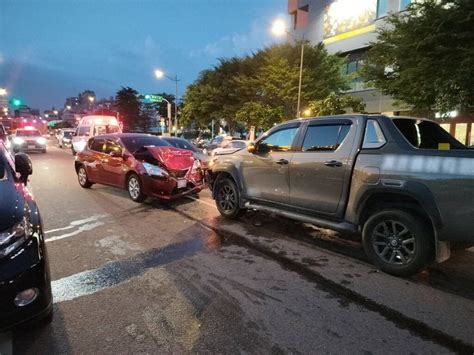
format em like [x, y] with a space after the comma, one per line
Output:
[82, 177]
[398, 243]
[134, 188]
[227, 198]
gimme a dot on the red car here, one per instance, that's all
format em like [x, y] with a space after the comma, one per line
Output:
[145, 165]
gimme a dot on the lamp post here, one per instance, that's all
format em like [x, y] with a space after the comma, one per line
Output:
[159, 75]
[279, 29]
[91, 101]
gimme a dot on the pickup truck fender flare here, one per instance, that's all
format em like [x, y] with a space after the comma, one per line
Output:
[229, 169]
[408, 189]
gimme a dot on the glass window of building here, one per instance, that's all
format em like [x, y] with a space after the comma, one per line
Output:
[382, 8]
[404, 4]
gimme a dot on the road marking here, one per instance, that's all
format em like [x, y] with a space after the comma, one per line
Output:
[74, 224]
[6, 344]
[201, 201]
[83, 228]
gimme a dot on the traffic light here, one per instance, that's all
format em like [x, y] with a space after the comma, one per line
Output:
[16, 102]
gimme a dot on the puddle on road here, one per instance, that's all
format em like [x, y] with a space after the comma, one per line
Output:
[117, 272]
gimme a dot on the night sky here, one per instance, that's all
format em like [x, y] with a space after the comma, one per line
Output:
[52, 49]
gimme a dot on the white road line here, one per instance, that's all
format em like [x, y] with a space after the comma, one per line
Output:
[77, 223]
[201, 201]
[6, 344]
[83, 228]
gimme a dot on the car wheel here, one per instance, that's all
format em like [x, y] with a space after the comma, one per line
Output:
[228, 199]
[134, 188]
[82, 177]
[397, 242]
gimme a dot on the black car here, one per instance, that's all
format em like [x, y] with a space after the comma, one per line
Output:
[25, 285]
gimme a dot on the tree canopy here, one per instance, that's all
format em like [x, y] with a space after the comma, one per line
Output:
[425, 56]
[262, 88]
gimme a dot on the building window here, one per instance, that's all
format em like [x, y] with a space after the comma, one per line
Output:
[382, 8]
[404, 4]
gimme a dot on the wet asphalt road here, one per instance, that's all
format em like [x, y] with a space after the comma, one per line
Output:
[177, 278]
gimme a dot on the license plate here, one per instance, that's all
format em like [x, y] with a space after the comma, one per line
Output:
[31, 146]
[182, 183]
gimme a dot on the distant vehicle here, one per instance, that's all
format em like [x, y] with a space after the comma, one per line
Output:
[25, 285]
[184, 144]
[28, 139]
[142, 164]
[91, 126]
[216, 142]
[65, 137]
[230, 147]
[403, 183]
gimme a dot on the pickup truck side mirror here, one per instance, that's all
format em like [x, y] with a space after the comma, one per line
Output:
[252, 148]
[23, 166]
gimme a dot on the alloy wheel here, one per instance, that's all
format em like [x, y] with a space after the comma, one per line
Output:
[134, 188]
[82, 176]
[227, 198]
[393, 242]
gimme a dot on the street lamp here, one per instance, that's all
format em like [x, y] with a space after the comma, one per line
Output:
[279, 29]
[3, 92]
[159, 74]
[68, 107]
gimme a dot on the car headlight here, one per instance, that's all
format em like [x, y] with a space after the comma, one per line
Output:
[154, 170]
[11, 239]
[41, 141]
[18, 140]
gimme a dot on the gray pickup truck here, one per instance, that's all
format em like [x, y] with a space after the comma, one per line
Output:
[405, 184]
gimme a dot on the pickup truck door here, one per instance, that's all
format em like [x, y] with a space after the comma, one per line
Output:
[322, 165]
[265, 172]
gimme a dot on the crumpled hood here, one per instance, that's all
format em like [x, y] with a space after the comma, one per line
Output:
[173, 158]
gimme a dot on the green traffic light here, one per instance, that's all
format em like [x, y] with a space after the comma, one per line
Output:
[16, 102]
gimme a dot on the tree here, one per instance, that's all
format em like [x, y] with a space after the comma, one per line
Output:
[335, 104]
[425, 56]
[129, 107]
[266, 81]
[260, 115]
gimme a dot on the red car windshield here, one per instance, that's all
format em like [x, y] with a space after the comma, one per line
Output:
[134, 143]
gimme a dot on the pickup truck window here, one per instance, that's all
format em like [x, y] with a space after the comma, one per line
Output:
[374, 137]
[324, 138]
[279, 141]
[426, 135]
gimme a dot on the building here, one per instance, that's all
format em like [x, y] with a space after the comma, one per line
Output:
[347, 27]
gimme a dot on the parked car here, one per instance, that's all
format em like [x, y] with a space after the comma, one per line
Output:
[25, 286]
[65, 137]
[145, 165]
[184, 144]
[91, 126]
[216, 142]
[402, 183]
[230, 147]
[28, 139]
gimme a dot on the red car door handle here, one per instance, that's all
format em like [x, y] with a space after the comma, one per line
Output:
[333, 163]
[282, 162]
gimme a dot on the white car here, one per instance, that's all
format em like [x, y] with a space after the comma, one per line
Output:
[230, 147]
[65, 137]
